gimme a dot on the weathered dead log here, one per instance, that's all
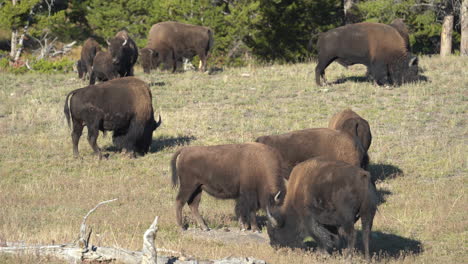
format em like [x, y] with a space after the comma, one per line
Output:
[82, 251]
[464, 28]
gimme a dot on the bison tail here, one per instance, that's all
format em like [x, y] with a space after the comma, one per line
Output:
[175, 178]
[66, 108]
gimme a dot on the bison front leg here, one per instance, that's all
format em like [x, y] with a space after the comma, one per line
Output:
[349, 234]
[76, 134]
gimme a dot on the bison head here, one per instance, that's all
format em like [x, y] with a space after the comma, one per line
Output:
[116, 47]
[405, 70]
[283, 231]
[144, 143]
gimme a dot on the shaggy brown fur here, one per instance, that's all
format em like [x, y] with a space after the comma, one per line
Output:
[88, 52]
[400, 26]
[301, 145]
[353, 124]
[183, 40]
[324, 199]
[378, 46]
[251, 173]
[123, 106]
[103, 69]
[124, 53]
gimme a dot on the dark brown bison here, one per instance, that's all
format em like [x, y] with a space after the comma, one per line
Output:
[400, 26]
[151, 58]
[123, 106]
[301, 145]
[88, 52]
[182, 40]
[124, 53]
[324, 199]
[249, 173]
[353, 124]
[378, 46]
[103, 69]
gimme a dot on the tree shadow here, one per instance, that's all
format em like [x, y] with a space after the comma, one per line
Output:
[383, 171]
[164, 142]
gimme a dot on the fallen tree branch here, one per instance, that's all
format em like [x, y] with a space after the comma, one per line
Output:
[81, 251]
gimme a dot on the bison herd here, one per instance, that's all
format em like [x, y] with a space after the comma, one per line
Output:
[311, 183]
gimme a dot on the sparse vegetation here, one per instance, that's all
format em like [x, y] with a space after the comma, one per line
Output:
[418, 153]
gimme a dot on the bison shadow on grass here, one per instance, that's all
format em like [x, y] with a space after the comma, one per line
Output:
[164, 142]
[161, 143]
[365, 79]
[383, 245]
[380, 171]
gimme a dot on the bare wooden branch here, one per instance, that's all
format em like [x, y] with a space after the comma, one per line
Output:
[82, 241]
[464, 28]
[149, 250]
[84, 253]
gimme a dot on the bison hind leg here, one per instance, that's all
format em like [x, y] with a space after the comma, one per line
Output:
[193, 203]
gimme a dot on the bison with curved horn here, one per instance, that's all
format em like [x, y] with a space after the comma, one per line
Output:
[324, 199]
[123, 106]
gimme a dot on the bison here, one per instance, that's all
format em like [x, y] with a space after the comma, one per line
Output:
[103, 69]
[353, 124]
[400, 26]
[378, 46]
[324, 199]
[251, 173]
[124, 53]
[123, 106]
[151, 58]
[174, 41]
[301, 145]
[88, 52]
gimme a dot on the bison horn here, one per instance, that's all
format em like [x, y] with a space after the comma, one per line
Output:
[277, 197]
[413, 61]
[159, 122]
[108, 43]
[125, 42]
[272, 220]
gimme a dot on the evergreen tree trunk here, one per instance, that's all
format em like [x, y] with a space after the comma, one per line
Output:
[446, 36]
[464, 28]
[14, 37]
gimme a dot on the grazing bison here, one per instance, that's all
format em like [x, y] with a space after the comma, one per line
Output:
[378, 46]
[124, 53]
[353, 124]
[103, 69]
[182, 40]
[324, 199]
[249, 173]
[88, 52]
[151, 58]
[123, 106]
[301, 145]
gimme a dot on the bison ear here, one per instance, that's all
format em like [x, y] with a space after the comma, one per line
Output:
[413, 61]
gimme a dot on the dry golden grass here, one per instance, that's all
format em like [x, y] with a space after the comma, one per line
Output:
[418, 152]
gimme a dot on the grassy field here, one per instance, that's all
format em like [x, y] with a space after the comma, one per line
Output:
[419, 154]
